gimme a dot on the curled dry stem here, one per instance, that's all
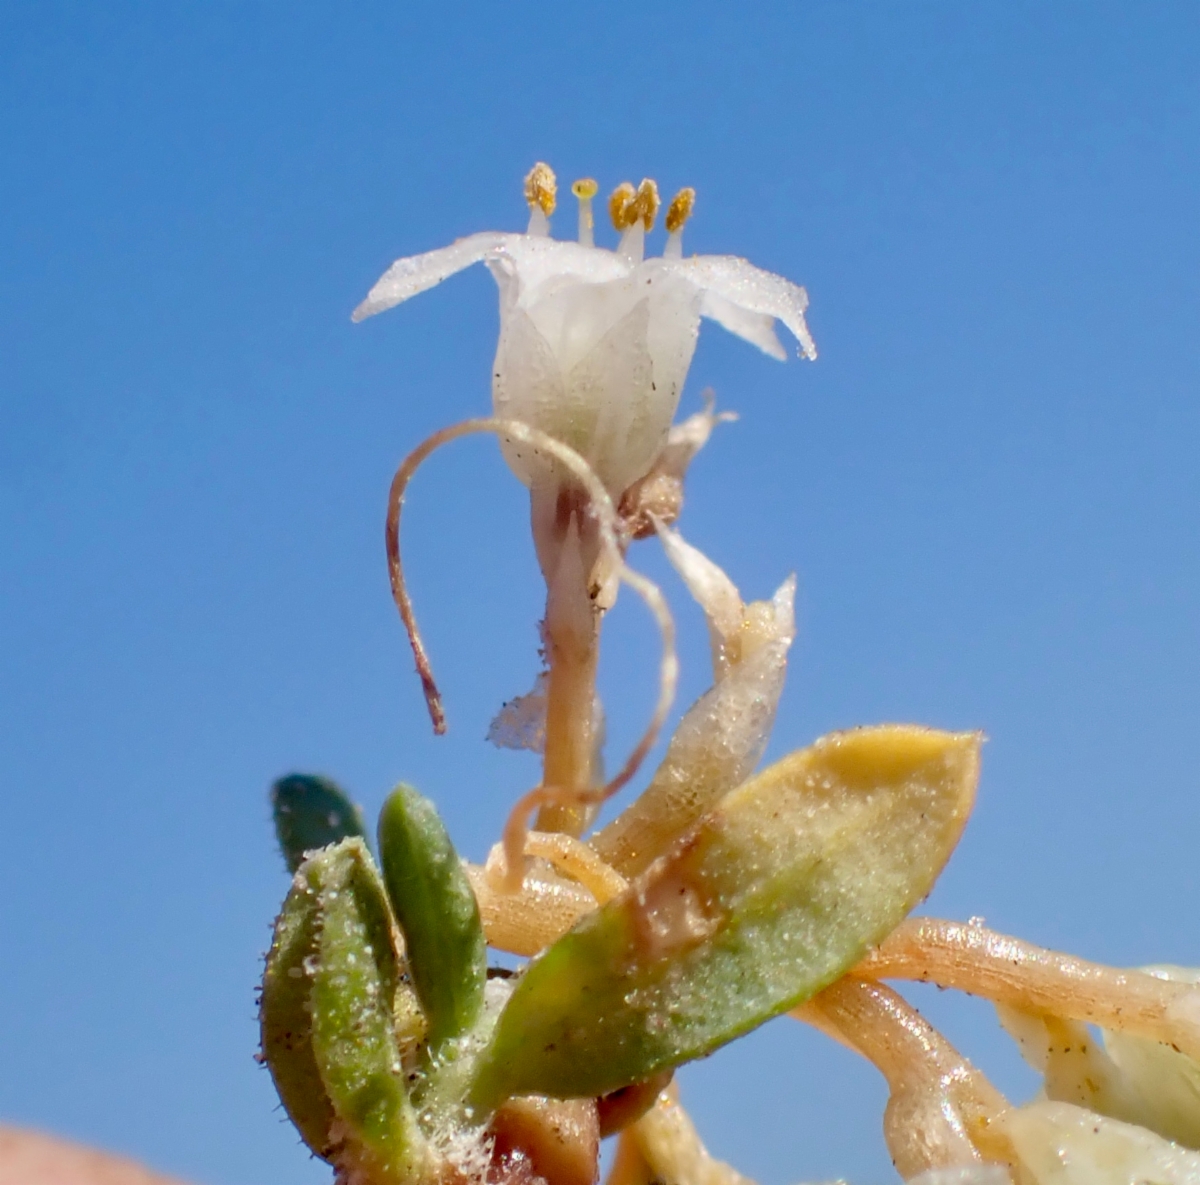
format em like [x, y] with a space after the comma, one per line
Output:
[1008, 971]
[942, 1112]
[546, 905]
[575, 859]
[665, 1142]
[606, 517]
[526, 922]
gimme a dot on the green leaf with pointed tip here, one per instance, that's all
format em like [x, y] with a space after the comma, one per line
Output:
[354, 980]
[437, 911]
[780, 889]
[286, 1020]
[311, 813]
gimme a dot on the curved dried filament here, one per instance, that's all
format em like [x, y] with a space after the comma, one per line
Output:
[670, 1146]
[577, 860]
[608, 527]
[629, 1166]
[1009, 971]
[525, 922]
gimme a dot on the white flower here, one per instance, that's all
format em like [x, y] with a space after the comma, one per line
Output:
[595, 344]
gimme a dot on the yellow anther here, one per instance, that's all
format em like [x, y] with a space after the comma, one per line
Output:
[585, 189]
[647, 202]
[621, 206]
[680, 209]
[541, 188]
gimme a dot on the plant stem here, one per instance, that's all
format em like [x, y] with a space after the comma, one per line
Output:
[567, 548]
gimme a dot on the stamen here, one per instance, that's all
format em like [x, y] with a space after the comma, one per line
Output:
[636, 215]
[680, 209]
[647, 202]
[585, 189]
[608, 525]
[678, 212]
[541, 192]
[621, 208]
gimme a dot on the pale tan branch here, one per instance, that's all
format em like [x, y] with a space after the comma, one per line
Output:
[1009, 971]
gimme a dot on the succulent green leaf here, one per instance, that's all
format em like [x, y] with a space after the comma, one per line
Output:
[780, 889]
[437, 911]
[355, 977]
[310, 813]
[286, 1019]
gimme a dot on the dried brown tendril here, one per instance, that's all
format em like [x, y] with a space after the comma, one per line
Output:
[601, 506]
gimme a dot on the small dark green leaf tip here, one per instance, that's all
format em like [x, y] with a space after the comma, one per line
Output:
[310, 813]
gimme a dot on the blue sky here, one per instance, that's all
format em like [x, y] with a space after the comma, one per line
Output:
[987, 484]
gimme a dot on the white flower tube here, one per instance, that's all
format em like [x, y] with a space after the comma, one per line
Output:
[594, 344]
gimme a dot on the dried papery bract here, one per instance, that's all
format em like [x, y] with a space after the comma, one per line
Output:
[657, 496]
[606, 523]
[1074, 1065]
[722, 737]
[1124, 1076]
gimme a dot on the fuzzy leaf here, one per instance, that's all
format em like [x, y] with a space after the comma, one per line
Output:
[781, 888]
[311, 813]
[437, 911]
[354, 981]
[286, 1021]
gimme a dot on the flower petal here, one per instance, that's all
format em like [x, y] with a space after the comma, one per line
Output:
[527, 385]
[752, 290]
[415, 273]
[707, 582]
[756, 328]
[543, 265]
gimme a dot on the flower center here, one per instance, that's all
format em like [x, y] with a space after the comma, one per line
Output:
[632, 211]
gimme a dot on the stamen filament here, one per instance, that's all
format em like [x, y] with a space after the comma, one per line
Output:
[584, 190]
[624, 208]
[678, 212]
[638, 214]
[632, 245]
